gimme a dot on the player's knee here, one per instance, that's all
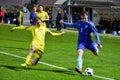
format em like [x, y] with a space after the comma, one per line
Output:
[80, 52]
[33, 48]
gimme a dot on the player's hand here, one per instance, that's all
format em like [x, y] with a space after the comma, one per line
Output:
[100, 46]
[11, 30]
[42, 20]
[63, 32]
[61, 21]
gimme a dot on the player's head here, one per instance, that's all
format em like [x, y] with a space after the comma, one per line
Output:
[40, 8]
[60, 12]
[84, 16]
[34, 8]
[37, 22]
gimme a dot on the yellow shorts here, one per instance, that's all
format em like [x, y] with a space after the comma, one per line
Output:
[38, 46]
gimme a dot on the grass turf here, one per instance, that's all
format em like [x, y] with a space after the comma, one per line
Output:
[60, 51]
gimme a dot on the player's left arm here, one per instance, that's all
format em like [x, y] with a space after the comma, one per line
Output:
[55, 34]
[95, 32]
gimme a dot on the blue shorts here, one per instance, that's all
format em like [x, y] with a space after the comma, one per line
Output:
[91, 46]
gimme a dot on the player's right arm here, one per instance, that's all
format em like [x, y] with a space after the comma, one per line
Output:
[53, 33]
[21, 28]
[67, 24]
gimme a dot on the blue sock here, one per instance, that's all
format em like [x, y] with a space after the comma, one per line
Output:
[79, 61]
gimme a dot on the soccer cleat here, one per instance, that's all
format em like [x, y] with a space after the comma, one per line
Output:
[79, 70]
[24, 65]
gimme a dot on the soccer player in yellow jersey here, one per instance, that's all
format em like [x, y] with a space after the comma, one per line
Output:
[38, 42]
[20, 17]
[42, 15]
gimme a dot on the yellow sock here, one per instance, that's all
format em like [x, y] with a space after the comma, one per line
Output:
[37, 55]
[29, 63]
[27, 59]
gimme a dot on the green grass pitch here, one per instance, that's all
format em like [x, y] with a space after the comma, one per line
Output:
[60, 51]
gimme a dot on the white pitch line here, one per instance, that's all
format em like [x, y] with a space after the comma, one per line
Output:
[9, 54]
[38, 62]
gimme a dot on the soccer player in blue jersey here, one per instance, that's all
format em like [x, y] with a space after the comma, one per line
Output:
[85, 27]
[33, 15]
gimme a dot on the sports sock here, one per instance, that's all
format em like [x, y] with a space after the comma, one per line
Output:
[37, 55]
[29, 63]
[27, 59]
[79, 61]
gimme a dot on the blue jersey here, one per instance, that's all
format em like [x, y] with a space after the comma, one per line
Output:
[32, 17]
[84, 31]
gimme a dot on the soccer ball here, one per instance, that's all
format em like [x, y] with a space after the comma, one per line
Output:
[89, 72]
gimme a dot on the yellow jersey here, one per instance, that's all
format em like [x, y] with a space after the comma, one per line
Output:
[42, 15]
[20, 17]
[21, 14]
[38, 34]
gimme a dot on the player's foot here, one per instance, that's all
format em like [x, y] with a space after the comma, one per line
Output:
[79, 70]
[24, 65]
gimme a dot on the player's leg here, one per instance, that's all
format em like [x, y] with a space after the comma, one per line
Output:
[35, 61]
[81, 49]
[38, 56]
[20, 21]
[94, 48]
[17, 22]
[27, 62]
[32, 49]
[79, 61]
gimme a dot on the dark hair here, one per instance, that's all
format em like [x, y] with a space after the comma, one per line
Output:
[36, 19]
[84, 13]
[40, 5]
[34, 6]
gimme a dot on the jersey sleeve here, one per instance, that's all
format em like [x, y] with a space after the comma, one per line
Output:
[22, 27]
[95, 32]
[67, 24]
[30, 28]
[19, 27]
[52, 33]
